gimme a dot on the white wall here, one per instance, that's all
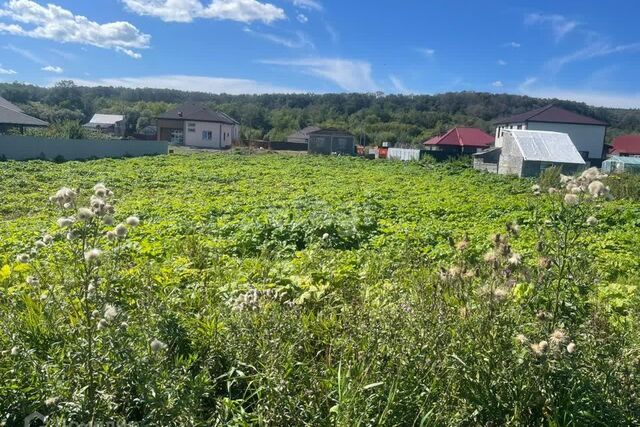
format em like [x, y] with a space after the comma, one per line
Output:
[510, 158]
[222, 134]
[589, 138]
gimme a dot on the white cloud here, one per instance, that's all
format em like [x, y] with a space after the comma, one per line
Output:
[593, 50]
[302, 18]
[497, 83]
[299, 41]
[308, 4]
[349, 75]
[55, 23]
[6, 71]
[528, 82]
[128, 52]
[502, 62]
[66, 55]
[190, 83]
[188, 10]
[560, 26]
[514, 45]
[333, 33]
[53, 69]
[399, 85]
[428, 52]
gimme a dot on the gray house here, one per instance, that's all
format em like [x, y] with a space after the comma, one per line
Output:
[108, 123]
[11, 116]
[331, 141]
[586, 133]
[302, 136]
[528, 153]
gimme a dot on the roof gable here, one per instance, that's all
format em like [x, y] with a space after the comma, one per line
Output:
[552, 114]
[6, 104]
[463, 137]
[197, 113]
[13, 117]
[546, 146]
[106, 119]
[304, 133]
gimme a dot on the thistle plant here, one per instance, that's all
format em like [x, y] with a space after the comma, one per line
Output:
[72, 272]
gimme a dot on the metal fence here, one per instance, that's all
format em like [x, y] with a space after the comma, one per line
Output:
[14, 147]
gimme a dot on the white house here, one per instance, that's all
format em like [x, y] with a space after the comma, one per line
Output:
[110, 123]
[195, 125]
[586, 133]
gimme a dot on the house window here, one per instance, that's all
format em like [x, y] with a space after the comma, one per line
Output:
[207, 135]
[191, 127]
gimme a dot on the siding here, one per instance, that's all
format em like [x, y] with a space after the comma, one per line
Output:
[586, 138]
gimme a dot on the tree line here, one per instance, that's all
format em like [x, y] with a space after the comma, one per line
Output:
[373, 118]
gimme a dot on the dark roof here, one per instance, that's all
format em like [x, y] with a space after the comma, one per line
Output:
[463, 137]
[13, 117]
[332, 131]
[6, 104]
[551, 114]
[626, 144]
[197, 112]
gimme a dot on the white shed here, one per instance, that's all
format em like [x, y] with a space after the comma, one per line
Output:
[529, 152]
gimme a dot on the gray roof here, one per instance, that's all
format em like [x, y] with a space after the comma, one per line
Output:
[197, 113]
[330, 131]
[13, 117]
[551, 114]
[106, 119]
[6, 104]
[304, 133]
[546, 146]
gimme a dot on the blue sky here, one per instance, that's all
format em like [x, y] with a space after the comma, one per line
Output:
[582, 50]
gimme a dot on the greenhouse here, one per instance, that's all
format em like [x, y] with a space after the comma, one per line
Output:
[621, 164]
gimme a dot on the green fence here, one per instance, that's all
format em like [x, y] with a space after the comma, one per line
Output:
[14, 147]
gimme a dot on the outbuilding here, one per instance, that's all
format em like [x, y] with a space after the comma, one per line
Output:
[331, 141]
[11, 116]
[108, 123]
[527, 153]
[626, 145]
[621, 164]
[460, 140]
[302, 136]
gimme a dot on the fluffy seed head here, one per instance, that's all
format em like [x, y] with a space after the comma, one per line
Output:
[597, 189]
[65, 222]
[121, 230]
[491, 256]
[32, 280]
[110, 312]
[592, 221]
[85, 214]
[40, 244]
[539, 348]
[111, 235]
[133, 221]
[15, 350]
[522, 339]
[47, 239]
[515, 259]
[571, 347]
[64, 196]
[558, 337]
[157, 345]
[571, 200]
[108, 220]
[92, 255]
[102, 324]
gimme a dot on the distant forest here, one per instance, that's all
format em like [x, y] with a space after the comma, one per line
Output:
[374, 117]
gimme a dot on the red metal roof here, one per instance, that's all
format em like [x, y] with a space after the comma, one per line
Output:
[626, 144]
[551, 114]
[463, 137]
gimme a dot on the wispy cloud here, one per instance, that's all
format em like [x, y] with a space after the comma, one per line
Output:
[53, 69]
[497, 83]
[207, 84]
[299, 40]
[593, 50]
[188, 10]
[58, 24]
[308, 4]
[6, 71]
[595, 98]
[527, 83]
[560, 25]
[349, 75]
[64, 54]
[427, 52]
[502, 62]
[514, 45]
[398, 85]
[333, 33]
[302, 18]
[25, 53]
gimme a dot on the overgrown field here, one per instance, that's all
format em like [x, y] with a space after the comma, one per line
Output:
[297, 290]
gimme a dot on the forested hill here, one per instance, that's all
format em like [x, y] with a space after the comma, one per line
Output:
[394, 118]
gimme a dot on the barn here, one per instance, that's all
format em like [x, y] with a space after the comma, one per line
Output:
[331, 141]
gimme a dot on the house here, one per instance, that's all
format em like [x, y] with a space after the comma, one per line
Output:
[460, 141]
[302, 136]
[331, 141]
[11, 116]
[527, 153]
[195, 125]
[621, 164]
[114, 124]
[586, 133]
[626, 145]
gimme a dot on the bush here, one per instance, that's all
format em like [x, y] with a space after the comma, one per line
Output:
[625, 185]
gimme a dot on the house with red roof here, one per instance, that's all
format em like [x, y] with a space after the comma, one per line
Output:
[626, 146]
[586, 132]
[460, 140]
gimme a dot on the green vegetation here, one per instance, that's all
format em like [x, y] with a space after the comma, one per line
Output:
[408, 119]
[282, 290]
